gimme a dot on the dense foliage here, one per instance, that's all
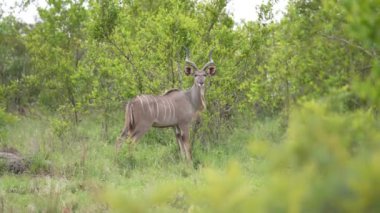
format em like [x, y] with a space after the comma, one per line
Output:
[295, 102]
[96, 55]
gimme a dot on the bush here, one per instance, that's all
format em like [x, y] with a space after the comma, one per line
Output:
[327, 163]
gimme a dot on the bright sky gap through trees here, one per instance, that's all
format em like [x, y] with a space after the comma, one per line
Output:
[242, 10]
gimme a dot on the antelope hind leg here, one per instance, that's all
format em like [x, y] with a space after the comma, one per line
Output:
[120, 140]
[178, 136]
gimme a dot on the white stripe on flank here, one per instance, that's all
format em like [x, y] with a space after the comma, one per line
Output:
[164, 105]
[173, 111]
[157, 110]
[142, 103]
[147, 101]
[170, 109]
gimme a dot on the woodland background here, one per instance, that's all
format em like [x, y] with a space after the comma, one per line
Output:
[292, 120]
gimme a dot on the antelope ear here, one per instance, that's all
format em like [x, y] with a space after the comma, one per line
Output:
[211, 70]
[188, 70]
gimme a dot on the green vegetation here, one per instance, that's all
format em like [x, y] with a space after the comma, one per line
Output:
[292, 121]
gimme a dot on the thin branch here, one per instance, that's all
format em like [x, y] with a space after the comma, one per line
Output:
[179, 70]
[350, 43]
[128, 57]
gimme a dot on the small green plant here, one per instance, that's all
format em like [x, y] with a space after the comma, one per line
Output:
[125, 158]
[60, 127]
[6, 119]
[3, 167]
[40, 164]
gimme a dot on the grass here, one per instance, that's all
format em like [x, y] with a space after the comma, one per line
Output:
[72, 167]
[326, 161]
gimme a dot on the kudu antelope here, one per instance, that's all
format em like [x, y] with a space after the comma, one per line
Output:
[176, 109]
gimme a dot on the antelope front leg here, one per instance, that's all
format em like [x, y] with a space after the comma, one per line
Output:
[186, 142]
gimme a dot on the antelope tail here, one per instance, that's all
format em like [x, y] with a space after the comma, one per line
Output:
[129, 123]
[131, 120]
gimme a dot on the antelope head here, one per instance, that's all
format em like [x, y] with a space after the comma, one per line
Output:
[209, 69]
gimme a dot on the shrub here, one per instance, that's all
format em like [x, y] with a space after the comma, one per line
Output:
[327, 163]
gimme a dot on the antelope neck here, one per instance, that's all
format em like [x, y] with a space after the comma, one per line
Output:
[196, 96]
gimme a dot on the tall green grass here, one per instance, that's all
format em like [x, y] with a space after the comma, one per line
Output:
[72, 166]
